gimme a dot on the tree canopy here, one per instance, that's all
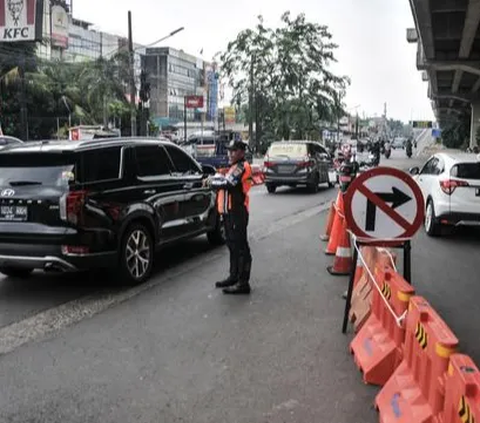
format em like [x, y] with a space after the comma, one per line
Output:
[285, 73]
[58, 93]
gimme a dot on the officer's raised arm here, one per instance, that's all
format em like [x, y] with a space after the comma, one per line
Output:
[229, 181]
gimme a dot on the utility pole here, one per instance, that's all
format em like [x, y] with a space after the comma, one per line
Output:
[250, 108]
[23, 100]
[133, 91]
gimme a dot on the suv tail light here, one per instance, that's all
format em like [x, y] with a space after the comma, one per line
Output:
[307, 162]
[267, 163]
[449, 185]
[71, 207]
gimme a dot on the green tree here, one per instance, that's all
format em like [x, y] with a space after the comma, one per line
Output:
[285, 73]
[456, 132]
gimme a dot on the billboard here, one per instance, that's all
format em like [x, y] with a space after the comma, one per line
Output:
[229, 113]
[59, 33]
[423, 124]
[194, 101]
[212, 92]
[21, 20]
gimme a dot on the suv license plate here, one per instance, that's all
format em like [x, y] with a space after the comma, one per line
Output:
[477, 192]
[13, 213]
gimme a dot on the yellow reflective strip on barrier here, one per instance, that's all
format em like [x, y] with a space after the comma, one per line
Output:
[450, 369]
[444, 352]
[404, 297]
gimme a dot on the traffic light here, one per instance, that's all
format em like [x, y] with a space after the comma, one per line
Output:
[144, 87]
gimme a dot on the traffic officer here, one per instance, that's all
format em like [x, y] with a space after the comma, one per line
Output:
[233, 204]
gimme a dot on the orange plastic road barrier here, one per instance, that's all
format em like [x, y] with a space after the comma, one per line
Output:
[337, 227]
[258, 176]
[342, 264]
[330, 219]
[462, 398]
[377, 348]
[358, 273]
[416, 391]
[375, 258]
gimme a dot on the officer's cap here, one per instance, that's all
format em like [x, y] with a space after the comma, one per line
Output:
[236, 145]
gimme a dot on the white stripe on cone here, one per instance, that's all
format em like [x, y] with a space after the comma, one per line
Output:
[343, 252]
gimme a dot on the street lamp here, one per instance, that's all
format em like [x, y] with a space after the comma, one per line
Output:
[164, 38]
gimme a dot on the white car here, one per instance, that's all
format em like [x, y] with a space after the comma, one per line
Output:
[450, 183]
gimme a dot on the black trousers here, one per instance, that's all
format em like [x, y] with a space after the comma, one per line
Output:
[236, 224]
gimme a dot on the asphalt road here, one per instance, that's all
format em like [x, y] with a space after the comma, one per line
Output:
[177, 350]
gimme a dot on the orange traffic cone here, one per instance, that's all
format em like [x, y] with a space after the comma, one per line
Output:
[337, 226]
[342, 263]
[331, 218]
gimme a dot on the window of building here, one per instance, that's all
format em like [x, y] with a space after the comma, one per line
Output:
[152, 161]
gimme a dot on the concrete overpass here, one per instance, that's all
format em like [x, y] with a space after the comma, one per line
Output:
[448, 37]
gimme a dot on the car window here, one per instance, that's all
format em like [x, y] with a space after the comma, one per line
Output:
[183, 162]
[37, 169]
[288, 149]
[466, 171]
[439, 167]
[100, 164]
[430, 167]
[152, 160]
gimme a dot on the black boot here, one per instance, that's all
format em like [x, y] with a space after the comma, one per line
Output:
[225, 283]
[242, 287]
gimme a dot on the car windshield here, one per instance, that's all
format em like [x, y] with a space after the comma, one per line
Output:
[466, 171]
[24, 170]
[286, 149]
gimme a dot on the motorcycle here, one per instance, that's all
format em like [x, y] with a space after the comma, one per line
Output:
[388, 153]
[408, 150]
[373, 160]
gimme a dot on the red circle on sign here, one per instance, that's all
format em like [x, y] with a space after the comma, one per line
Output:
[384, 171]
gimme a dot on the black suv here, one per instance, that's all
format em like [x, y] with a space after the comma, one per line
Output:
[294, 163]
[71, 205]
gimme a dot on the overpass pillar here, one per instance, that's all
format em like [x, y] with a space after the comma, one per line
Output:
[475, 124]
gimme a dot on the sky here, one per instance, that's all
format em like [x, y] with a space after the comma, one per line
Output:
[371, 35]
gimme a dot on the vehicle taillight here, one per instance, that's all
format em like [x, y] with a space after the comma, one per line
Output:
[307, 162]
[71, 207]
[449, 185]
[268, 164]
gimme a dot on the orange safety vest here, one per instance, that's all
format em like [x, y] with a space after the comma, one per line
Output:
[224, 197]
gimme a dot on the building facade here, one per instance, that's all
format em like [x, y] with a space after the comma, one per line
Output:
[173, 75]
[74, 40]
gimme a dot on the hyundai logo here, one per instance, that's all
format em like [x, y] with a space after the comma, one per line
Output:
[7, 193]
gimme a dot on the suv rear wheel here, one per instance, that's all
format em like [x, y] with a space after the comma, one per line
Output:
[16, 272]
[136, 254]
[271, 188]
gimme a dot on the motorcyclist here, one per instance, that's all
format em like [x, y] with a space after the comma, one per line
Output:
[408, 147]
[375, 149]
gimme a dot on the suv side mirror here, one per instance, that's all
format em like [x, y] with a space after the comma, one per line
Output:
[414, 171]
[208, 170]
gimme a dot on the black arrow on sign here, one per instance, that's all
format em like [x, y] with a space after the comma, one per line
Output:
[397, 198]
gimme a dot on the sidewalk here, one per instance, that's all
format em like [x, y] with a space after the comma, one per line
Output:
[183, 352]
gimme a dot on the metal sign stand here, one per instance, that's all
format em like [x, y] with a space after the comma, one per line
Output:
[405, 245]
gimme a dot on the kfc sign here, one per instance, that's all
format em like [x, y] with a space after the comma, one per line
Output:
[194, 101]
[21, 20]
